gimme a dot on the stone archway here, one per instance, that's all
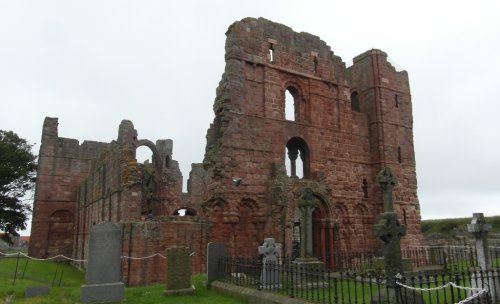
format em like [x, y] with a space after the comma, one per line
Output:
[157, 160]
[324, 230]
[313, 227]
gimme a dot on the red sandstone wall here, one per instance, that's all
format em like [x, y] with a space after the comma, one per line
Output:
[62, 165]
[249, 135]
[79, 185]
[142, 239]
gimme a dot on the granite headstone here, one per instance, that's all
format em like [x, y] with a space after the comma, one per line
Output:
[104, 265]
[33, 291]
[216, 253]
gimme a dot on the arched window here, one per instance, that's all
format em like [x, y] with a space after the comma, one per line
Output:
[144, 154]
[290, 104]
[297, 156]
[355, 102]
[185, 211]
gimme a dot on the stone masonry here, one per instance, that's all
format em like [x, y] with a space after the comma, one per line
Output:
[346, 125]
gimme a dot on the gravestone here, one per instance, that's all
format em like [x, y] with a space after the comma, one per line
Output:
[269, 277]
[480, 229]
[33, 291]
[103, 273]
[390, 231]
[216, 252]
[178, 280]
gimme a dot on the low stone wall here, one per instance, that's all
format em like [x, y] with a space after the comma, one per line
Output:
[253, 296]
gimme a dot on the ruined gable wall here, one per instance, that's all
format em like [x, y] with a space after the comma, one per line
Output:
[250, 132]
[62, 165]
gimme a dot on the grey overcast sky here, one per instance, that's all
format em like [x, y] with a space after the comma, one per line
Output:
[158, 63]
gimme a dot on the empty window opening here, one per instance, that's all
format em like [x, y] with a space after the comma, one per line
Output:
[271, 53]
[297, 158]
[185, 212]
[167, 161]
[355, 102]
[315, 64]
[289, 106]
[396, 101]
[404, 216]
[399, 155]
[295, 164]
[365, 188]
[144, 154]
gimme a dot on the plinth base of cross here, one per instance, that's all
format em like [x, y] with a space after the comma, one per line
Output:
[308, 272]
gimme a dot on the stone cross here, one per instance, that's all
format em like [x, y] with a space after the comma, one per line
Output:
[389, 230]
[270, 275]
[386, 181]
[480, 229]
[306, 204]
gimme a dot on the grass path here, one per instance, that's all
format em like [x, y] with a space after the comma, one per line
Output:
[65, 281]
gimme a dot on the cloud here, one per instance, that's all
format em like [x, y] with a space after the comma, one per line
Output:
[158, 64]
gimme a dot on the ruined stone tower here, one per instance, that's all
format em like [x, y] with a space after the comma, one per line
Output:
[290, 121]
[346, 124]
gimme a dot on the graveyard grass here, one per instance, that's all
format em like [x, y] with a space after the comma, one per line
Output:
[66, 281]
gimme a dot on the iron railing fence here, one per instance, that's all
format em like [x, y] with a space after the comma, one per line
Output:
[321, 285]
[415, 258]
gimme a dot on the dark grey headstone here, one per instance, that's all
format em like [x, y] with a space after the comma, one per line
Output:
[105, 246]
[33, 291]
[104, 265]
[216, 253]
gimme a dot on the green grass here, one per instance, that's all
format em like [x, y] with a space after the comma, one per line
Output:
[450, 228]
[65, 281]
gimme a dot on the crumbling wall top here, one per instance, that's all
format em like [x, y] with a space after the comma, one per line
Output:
[252, 39]
[126, 132]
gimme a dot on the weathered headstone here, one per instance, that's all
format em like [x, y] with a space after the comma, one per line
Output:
[216, 252]
[480, 229]
[269, 277]
[33, 291]
[104, 265]
[178, 280]
[390, 231]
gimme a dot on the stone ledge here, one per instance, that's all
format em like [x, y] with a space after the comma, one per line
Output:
[253, 296]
